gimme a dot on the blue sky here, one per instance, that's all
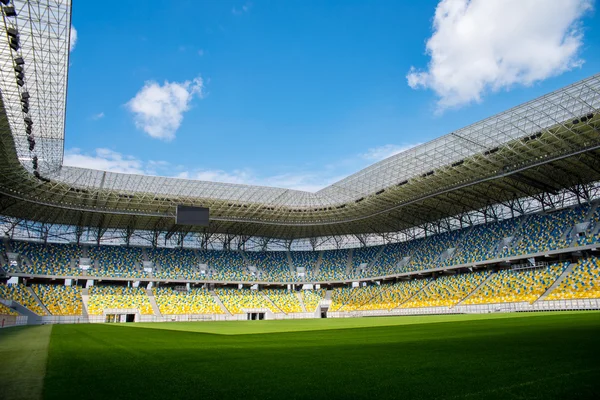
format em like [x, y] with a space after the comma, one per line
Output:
[299, 94]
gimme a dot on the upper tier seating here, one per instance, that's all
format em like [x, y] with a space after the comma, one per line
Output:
[117, 262]
[582, 283]
[333, 266]
[530, 234]
[48, 259]
[482, 242]
[305, 259]
[194, 301]
[225, 265]
[517, 285]
[273, 265]
[544, 232]
[174, 263]
[60, 299]
[21, 295]
[107, 297]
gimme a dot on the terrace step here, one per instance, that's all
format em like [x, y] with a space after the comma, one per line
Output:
[476, 289]
[301, 299]
[290, 262]
[272, 303]
[557, 282]
[85, 299]
[318, 264]
[152, 300]
[376, 258]
[349, 264]
[219, 302]
[414, 294]
[37, 299]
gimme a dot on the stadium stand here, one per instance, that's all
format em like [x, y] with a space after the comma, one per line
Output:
[447, 291]
[285, 300]
[582, 283]
[118, 297]
[273, 266]
[48, 259]
[60, 299]
[305, 259]
[236, 300]
[312, 298]
[4, 310]
[195, 301]
[117, 262]
[20, 294]
[224, 265]
[174, 263]
[333, 266]
[394, 295]
[508, 286]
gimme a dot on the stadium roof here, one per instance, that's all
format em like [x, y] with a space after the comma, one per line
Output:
[542, 146]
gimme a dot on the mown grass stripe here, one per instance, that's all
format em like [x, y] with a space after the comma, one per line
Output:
[23, 357]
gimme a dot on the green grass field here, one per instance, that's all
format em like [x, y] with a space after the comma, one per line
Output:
[525, 356]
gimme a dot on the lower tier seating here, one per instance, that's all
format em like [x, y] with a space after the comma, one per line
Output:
[4, 310]
[312, 298]
[447, 291]
[194, 301]
[582, 283]
[107, 297]
[21, 295]
[517, 285]
[286, 301]
[237, 300]
[60, 299]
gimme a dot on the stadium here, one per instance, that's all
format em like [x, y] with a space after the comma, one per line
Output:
[466, 266]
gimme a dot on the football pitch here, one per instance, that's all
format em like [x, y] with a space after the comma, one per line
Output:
[499, 356]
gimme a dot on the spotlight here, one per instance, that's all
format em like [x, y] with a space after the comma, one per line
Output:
[9, 11]
[31, 141]
[14, 43]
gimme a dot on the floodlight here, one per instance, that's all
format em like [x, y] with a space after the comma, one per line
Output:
[9, 11]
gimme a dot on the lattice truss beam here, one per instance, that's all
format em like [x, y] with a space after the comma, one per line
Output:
[538, 148]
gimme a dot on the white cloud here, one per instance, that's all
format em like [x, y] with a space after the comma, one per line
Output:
[72, 38]
[382, 152]
[104, 160]
[158, 109]
[98, 116]
[489, 45]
